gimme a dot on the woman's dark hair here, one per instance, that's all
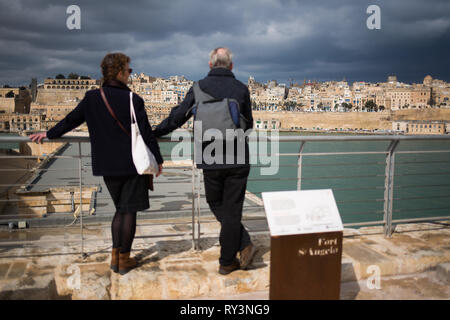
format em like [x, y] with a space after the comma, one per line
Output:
[112, 64]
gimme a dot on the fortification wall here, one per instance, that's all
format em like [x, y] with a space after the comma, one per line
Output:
[7, 104]
[328, 120]
[350, 120]
[421, 114]
[59, 96]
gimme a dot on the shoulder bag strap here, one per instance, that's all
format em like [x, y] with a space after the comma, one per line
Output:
[132, 112]
[102, 93]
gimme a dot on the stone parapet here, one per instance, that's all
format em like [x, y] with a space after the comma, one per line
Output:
[170, 269]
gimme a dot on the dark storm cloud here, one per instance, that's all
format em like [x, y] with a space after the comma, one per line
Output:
[270, 39]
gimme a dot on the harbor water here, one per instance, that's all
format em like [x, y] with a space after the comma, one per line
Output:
[421, 180]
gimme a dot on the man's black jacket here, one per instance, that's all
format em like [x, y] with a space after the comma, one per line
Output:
[110, 145]
[220, 83]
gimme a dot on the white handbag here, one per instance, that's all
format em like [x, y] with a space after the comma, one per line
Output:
[143, 158]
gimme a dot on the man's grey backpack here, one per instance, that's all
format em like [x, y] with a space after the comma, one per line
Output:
[220, 114]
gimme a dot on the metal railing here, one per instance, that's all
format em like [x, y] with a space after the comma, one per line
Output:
[302, 142]
[390, 154]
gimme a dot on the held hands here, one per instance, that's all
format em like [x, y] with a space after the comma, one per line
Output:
[37, 137]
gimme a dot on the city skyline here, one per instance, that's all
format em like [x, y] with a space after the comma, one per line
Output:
[287, 83]
[271, 40]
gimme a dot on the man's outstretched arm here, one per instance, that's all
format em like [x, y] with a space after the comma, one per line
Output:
[177, 117]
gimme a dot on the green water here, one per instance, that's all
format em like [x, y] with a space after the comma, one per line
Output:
[421, 181]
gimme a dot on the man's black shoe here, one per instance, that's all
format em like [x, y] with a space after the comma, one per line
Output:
[228, 269]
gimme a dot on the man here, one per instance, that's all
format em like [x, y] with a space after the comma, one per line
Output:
[225, 182]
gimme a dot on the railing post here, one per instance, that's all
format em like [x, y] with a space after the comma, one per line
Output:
[194, 245]
[83, 255]
[389, 187]
[198, 208]
[299, 172]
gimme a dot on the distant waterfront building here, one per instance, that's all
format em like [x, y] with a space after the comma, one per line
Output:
[64, 91]
[7, 105]
[427, 80]
[33, 89]
[392, 79]
[421, 126]
[4, 122]
[53, 112]
[5, 91]
[267, 124]
[251, 81]
[25, 122]
[22, 101]
[272, 84]
[71, 84]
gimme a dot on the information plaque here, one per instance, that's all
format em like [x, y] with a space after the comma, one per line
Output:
[306, 244]
[299, 212]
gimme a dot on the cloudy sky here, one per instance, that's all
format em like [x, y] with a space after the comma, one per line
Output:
[270, 39]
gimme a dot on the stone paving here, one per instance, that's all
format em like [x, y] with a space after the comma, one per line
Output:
[414, 264]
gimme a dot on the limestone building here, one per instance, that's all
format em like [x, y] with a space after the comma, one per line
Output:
[5, 91]
[71, 84]
[25, 122]
[52, 112]
[420, 127]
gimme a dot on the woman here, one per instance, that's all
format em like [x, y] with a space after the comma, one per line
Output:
[111, 150]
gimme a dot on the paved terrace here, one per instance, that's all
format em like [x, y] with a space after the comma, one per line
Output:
[414, 264]
[172, 197]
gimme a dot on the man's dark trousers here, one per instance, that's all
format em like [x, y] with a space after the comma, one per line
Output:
[225, 194]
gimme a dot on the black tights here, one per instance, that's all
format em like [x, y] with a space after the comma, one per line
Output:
[123, 228]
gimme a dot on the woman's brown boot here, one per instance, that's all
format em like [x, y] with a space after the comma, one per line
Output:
[126, 263]
[115, 260]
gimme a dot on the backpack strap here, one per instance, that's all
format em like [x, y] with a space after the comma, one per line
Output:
[200, 95]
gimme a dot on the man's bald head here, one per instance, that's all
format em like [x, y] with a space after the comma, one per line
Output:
[221, 58]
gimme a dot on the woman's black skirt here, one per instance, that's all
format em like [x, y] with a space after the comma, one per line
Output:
[129, 193]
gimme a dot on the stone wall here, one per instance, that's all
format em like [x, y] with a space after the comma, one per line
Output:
[7, 105]
[54, 200]
[349, 120]
[37, 149]
[55, 96]
[421, 114]
[328, 120]
[16, 175]
[4, 91]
